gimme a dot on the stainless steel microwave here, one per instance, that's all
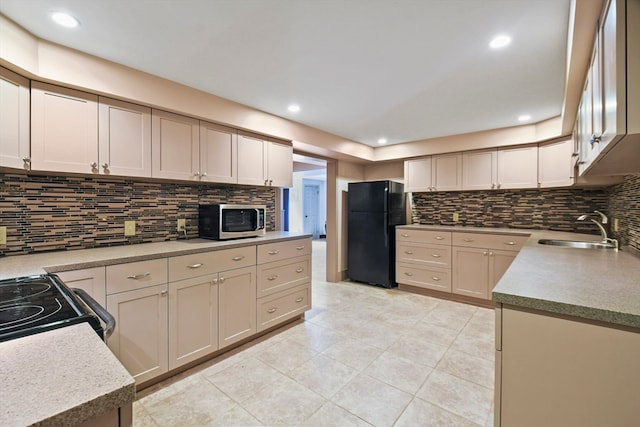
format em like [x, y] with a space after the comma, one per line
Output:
[226, 221]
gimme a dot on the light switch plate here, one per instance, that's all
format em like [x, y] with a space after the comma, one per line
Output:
[616, 225]
[3, 235]
[129, 228]
[456, 217]
[182, 223]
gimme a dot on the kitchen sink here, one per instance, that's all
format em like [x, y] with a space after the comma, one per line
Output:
[577, 244]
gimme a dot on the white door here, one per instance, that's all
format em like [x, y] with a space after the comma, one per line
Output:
[310, 210]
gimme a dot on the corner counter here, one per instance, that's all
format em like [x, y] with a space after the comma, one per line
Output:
[63, 377]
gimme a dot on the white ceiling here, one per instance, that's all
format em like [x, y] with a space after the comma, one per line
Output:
[403, 70]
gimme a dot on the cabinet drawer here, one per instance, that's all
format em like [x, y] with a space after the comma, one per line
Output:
[281, 250]
[418, 253]
[424, 277]
[282, 306]
[285, 274]
[489, 241]
[424, 236]
[134, 275]
[186, 266]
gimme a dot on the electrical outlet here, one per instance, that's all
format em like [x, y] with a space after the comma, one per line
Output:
[456, 217]
[615, 224]
[129, 228]
[3, 235]
[182, 223]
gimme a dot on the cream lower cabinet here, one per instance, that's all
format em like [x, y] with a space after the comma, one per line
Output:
[237, 307]
[193, 319]
[284, 281]
[90, 280]
[564, 371]
[423, 259]
[137, 297]
[480, 260]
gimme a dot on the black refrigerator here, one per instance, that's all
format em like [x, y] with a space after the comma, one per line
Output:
[374, 209]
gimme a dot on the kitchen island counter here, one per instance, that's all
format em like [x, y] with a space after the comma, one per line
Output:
[54, 262]
[61, 377]
[595, 284]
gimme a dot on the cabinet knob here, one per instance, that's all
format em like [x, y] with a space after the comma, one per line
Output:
[408, 273]
[270, 182]
[163, 293]
[196, 174]
[493, 185]
[26, 159]
[222, 280]
[404, 235]
[595, 139]
[490, 253]
[105, 166]
[485, 253]
[203, 174]
[93, 165]
[435, 278]
[266, 182]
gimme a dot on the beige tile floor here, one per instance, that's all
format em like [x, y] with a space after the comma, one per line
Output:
[363, 356]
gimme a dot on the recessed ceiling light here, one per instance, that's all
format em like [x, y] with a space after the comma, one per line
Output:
[293, 108]
[524, 117]
[382, 141]
[65, 19]
[500, 41]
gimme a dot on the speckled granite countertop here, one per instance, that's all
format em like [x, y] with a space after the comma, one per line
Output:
[594, 284]
[53, 262]
[60, 378]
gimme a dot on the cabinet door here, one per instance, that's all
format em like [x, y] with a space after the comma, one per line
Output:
[280, 164]
[175, 146]
[556, 164]
[237, 315]
[124, 139]
[140, 338]
[90, 280]
[470, 272]
[14, 120]
[613, 97]
[417, 175]
[499, 262]
[447, 172]
[251, 161]
[518, 167]
[218, 153]
[479, 170]
[193, 319]
[64, 129]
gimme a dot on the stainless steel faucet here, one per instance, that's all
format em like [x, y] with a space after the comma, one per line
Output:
[603, 231]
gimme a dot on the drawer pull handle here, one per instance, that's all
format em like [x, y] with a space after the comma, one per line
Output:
[468, 240]
[299, 299]
[408, 252]
[300, 247]
[299, 270]
[439, 238]
[274, 277]
[405, 235]
[276, 252]
[238, 258]
[198, 265]
[139, 276]
[435, 278]
[272, 310]
[436, 255]
[408, 273]
[510, 243]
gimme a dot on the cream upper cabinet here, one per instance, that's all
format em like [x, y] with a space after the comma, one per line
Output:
[446, 172]
[279, 164]
[518, 167]
[124, 138]
[14, 120]
[417, 175]
[262, 162]
[64, 129]
[251, 167]
[218, 153]
[479, 170]
[556, 164]
[175, 146]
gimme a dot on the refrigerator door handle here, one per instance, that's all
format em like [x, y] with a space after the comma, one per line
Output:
[386, 230]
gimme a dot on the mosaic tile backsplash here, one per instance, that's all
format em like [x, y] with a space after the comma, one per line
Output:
[46, 213]
[624, 204]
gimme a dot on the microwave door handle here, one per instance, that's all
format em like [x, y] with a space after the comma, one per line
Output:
[258, 225]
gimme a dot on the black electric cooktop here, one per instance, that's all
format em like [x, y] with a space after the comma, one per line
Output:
[33, 304]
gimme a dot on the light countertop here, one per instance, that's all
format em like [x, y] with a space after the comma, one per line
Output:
[54, 262]
[61, 377]
[595, 284]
